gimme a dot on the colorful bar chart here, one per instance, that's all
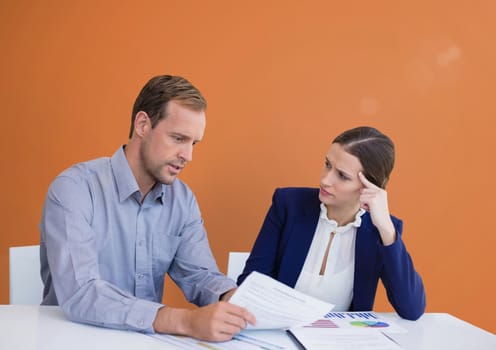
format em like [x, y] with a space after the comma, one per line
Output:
[351, 315]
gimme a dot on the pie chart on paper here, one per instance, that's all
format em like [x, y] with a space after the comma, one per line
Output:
[373, 324]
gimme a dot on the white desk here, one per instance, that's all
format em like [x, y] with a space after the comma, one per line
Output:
[46, 328]
[441, 331]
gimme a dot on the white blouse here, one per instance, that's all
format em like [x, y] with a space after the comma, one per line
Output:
[336, 285]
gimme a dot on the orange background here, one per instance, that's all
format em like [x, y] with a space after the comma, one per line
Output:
[282, 79]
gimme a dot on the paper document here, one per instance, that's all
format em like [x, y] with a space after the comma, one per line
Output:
[276, 305]
[239, 342]
[343, 339]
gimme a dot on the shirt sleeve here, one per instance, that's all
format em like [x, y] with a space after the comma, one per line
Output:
[72, 255]
[194, 268]
[403, 284]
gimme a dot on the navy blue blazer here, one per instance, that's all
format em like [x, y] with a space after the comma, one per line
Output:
[282, 245]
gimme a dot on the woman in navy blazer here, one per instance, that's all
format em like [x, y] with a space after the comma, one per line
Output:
[357, 168]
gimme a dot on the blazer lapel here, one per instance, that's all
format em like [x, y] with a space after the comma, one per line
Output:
[299, 238]
[365, 265]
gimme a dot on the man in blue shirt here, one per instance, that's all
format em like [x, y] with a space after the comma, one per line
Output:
[112, 227]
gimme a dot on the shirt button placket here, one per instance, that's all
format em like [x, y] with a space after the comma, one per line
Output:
[141, 287]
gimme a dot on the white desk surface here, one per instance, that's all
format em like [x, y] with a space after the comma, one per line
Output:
[46, 328]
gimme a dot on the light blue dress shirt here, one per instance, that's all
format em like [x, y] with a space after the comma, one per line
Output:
[104, 253]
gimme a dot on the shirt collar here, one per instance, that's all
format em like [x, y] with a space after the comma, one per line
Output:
[158, 192]
[123, 175]
[356, 223]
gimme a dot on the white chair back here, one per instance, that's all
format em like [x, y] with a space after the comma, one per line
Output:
[236, 264]
[25, 285]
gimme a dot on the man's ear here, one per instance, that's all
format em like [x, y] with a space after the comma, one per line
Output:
[142, 124]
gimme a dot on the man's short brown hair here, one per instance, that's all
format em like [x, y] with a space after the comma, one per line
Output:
[159, 90]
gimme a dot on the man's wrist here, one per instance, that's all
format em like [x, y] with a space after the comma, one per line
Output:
[172, 321]
[227, 295]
